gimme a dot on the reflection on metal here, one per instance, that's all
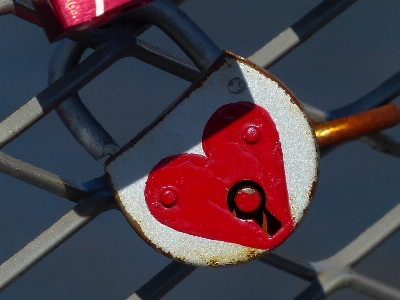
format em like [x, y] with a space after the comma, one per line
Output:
[354, 126]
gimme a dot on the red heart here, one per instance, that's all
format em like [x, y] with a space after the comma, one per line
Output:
[194, 194]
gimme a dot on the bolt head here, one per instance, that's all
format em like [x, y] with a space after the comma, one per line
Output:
[251, 135]
[168, 197]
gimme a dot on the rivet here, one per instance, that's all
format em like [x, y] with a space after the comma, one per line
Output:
[236, 85]
[248, 199]
[168, 197]
[251, 135]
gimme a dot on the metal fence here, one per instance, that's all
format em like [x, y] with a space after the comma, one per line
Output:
[93, 197]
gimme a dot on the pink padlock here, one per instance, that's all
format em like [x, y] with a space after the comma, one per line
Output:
[60, 17]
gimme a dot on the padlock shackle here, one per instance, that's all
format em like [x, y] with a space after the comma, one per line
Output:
[181, 29]
[73, 113]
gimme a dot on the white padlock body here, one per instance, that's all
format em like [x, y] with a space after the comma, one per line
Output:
[180, 130]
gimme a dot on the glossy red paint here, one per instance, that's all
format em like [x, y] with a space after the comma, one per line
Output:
[202, 183]
[60, 17]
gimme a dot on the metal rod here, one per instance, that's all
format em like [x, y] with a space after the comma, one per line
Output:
[383, 143]
[299, 32]
[182, 30]
[313, 292]
[163, 282]
[40, 178]
[364, 243]
[290, 264]
[373, 288]
[24, 10]
[167, 62]
[54, 95]
[356, 125]
[383, 94]
[50, 239]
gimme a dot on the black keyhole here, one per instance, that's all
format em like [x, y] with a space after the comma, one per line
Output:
[246, 201]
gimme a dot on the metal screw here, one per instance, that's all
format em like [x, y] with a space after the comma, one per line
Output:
[168, 197]
[248, 199]
[251, 135]
[236, 85]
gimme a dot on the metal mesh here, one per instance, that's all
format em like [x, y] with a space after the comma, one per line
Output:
[93, 197]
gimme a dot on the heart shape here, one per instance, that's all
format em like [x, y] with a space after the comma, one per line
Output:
[195, 194]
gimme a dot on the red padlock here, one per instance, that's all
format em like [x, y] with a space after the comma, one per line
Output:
[61, 17]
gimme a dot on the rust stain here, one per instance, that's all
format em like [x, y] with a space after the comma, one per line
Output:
[313, 188]
[243, 257]
[252, 253]
[356, 125]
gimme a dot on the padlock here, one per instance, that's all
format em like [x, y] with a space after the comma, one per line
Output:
[227, 172]
[60, 18]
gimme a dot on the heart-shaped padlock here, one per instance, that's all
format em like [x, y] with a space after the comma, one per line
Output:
[228, 170]
[223, 175]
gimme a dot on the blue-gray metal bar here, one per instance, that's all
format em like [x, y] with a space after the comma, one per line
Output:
[40, 178]
[289, 264]
[383, 94]
[372, 287]
[364, 243]
[163, 282]
[334, 273]
[299, 32]
[54, 95]
[50, 239]
[181, 29]
[383, 143]
[313, 292]
[167, 62]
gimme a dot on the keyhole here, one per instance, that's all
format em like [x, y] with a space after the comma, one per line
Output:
[246, 201]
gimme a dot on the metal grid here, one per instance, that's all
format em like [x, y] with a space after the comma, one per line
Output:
[93, 197]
